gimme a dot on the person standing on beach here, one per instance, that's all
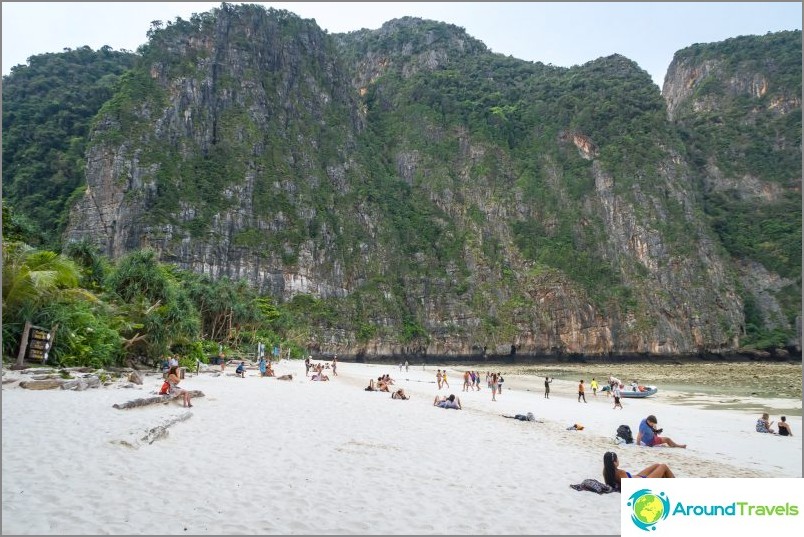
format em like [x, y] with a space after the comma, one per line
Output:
[466, 378]
[307, 365]
[594, 387]
[439, 378]
[500, 381]
[581, 394]
[612, 383]
[444, 379]
[494, 386]
[335, 365]
[617, 397]
[547, 381]
[406, 366]
[262, 366]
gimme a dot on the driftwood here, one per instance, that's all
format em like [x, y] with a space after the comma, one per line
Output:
[49, 384]
[161, 431]
[81, 384]
[145, 401]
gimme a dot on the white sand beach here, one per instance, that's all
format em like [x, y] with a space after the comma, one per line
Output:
[264, 456]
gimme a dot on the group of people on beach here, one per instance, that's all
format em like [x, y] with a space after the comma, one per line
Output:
[765, 426]
[318, 369]
[383, 384]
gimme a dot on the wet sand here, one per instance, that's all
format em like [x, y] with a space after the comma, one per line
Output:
[774, 387]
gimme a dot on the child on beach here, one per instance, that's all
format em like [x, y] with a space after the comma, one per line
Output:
[617, 395]
[612, 474]
[444, 379]
[241, 370]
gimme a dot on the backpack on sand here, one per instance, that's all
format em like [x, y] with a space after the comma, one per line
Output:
[624, 432]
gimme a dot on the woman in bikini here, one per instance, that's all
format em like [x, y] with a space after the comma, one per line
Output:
[612, 474]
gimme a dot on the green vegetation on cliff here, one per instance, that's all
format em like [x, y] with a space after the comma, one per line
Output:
[429, 189]
[48, 106]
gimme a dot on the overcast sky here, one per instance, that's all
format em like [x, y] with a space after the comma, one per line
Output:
[564, 34]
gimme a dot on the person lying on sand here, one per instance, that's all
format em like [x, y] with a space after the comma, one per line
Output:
[448, 402]
[522, 417]
[399, 394]
[648, 434]
[319, 376]
[371, 387]
[612, 474]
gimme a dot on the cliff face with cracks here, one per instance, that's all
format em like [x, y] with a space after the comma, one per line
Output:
[429, 196]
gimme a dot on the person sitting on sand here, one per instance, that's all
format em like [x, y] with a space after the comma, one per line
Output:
[763, 425]
[319, 376]
[400, 394]
[241, 370]
[784, 427]
[612, 474]
[173, 381]
[648, 434]
[448, 402]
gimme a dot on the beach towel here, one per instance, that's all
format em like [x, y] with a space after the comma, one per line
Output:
[593, 485]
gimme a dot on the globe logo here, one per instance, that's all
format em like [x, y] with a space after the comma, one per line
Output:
[648, 508]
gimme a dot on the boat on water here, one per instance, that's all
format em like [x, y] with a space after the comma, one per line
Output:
[635, 391]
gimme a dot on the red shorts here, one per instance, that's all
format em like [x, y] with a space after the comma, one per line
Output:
[657, 440]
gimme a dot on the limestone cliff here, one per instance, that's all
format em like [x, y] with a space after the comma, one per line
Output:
[419, 193]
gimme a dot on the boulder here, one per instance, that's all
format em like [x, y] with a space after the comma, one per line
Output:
[135, 377]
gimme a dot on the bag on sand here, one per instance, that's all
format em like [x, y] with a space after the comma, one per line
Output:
[624, 432]
[164, 389]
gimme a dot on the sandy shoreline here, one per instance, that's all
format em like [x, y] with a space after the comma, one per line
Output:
[265, 456]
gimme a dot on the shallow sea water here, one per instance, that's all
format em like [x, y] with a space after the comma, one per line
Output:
[774, 387]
